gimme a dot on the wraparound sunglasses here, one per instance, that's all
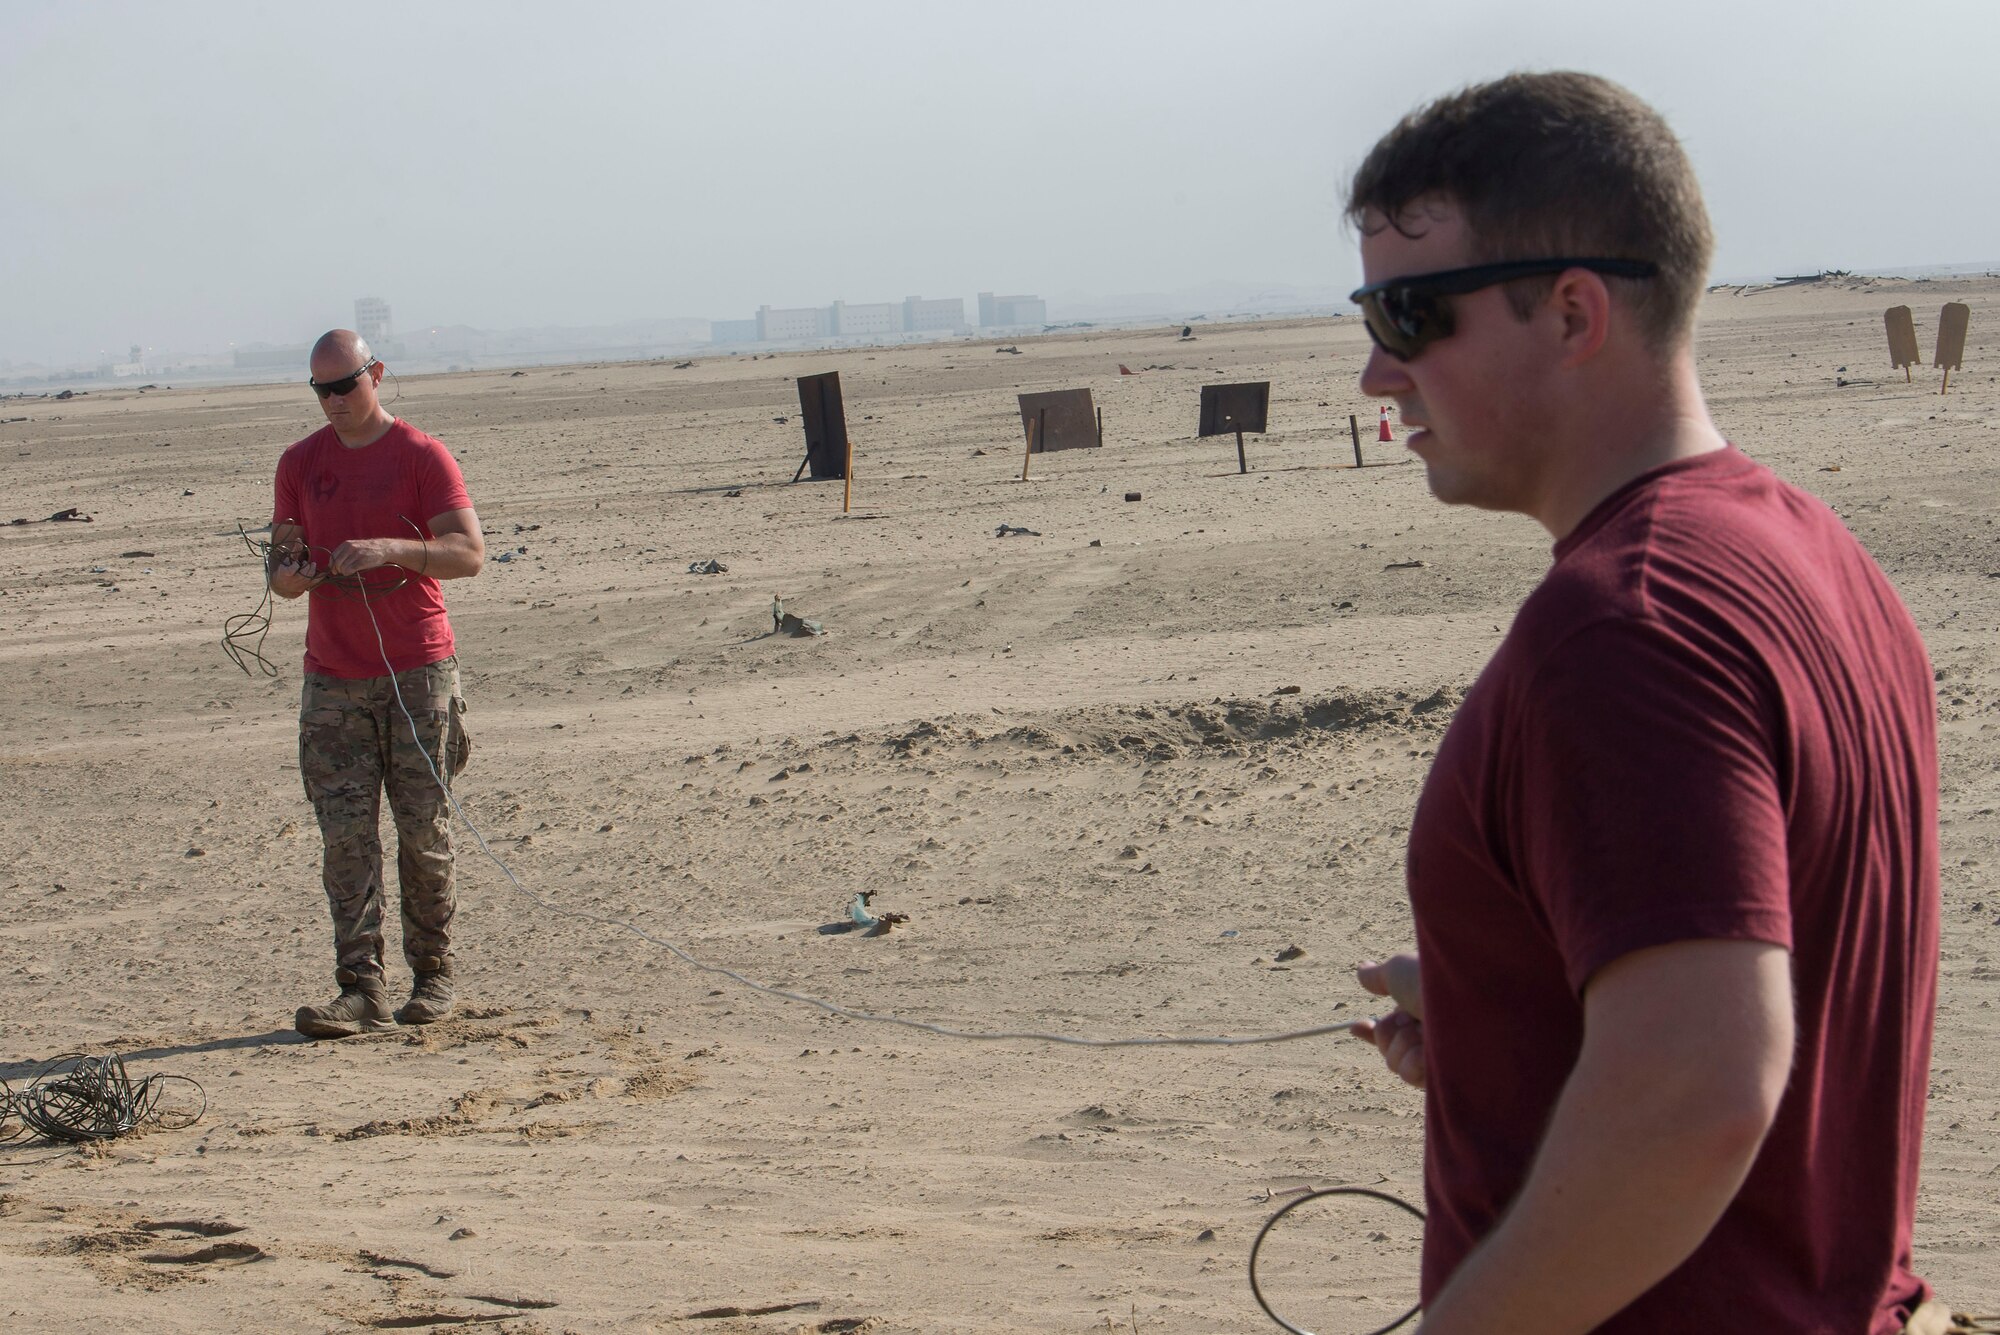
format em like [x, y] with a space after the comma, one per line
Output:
[1406, 315]
[326, 389]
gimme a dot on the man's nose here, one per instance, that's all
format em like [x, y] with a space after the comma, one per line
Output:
[1382, 376]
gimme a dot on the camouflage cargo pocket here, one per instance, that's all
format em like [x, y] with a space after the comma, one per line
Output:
[461, 745]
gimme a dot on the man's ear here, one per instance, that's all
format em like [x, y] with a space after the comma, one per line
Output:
[1582, 301]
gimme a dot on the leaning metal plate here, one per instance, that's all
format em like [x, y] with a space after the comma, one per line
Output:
[825, 421]
[1067, 415]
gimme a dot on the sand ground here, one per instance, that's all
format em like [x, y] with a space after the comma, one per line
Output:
[1110, 770]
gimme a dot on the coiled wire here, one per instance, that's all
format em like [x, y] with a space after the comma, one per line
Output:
[1289, 1206]
[79, 1097]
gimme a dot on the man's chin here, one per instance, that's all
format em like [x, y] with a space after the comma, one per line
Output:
[1454, 488]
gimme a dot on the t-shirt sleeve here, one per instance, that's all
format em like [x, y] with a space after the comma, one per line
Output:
[285, 492]
[440, 486]
[1650, 801]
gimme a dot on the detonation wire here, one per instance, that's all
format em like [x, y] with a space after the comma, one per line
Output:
[78, 1097]
[1290, 1206]
[785, 994]
[243, 634]
[872, 1017]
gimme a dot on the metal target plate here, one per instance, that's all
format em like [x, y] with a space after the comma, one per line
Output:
[1070, 421]
[825, 419]
[1227, 409]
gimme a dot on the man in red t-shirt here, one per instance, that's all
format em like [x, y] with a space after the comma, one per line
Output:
[369, 514]
[1674, 870]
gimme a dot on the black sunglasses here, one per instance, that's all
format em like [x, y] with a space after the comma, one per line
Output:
[1406, 315]
[345, 385]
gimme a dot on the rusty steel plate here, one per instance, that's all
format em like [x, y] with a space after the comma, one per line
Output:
[1067, 416]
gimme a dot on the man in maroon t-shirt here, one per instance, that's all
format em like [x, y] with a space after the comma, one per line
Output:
[368, 515]
[1674, 870]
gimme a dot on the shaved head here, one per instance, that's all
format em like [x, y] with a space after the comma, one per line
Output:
[346, 375]
[339, 348]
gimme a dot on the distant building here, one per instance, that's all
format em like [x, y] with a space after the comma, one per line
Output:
[939, 315]
[806, 324]
[371, 319]
[882, 317]
[795, 324]
[1002, 312]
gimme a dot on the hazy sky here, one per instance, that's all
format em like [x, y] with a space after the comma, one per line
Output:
[187, 174]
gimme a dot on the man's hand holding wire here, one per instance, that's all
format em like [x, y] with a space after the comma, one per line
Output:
[1399, 1035]
[359, 554]
[293, 573]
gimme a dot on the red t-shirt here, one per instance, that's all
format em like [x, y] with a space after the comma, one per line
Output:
[1713, 720]
[390, 488]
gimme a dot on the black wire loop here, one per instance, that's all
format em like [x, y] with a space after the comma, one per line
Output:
[1290, 1206]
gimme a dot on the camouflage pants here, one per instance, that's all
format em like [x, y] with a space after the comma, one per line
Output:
[354, 744]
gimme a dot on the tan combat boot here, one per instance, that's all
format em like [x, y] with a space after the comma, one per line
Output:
[361, 1007]
[430, 999]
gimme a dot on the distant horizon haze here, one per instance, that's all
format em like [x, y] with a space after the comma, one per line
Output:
[197, 176]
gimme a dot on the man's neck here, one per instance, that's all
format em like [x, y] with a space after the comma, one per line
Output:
[376, 428]
[1650, 421]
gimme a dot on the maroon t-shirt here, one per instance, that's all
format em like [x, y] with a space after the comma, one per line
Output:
[389, 488]
[1713, 720]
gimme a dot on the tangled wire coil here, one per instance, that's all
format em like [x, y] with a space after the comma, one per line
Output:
[79, 1097]
[243, 634]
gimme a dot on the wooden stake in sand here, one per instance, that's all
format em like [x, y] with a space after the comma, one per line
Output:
[1354, 430]
[1034, 435]
[1952, 323]
[847, 479]
[1902, 339]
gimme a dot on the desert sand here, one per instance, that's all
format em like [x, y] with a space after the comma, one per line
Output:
[1110, 770]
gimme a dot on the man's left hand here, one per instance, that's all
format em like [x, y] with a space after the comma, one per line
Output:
[359, 554]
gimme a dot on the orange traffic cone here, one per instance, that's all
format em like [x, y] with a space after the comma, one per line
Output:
[1385, 433]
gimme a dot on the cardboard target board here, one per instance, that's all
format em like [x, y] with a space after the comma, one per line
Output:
[825, 419]
[1060, 419]
[1952, 323]
[1902, 329]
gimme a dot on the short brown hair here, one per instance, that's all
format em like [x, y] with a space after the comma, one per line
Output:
[1553, 164]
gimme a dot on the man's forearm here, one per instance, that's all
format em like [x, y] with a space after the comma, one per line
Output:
[447, 556]
[1626, 1186]
[1686, 1051]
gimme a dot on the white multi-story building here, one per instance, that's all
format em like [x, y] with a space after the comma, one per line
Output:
[881, 317]
[805, 324]
[371, 319]
[939, 315]
[791, 324]
[1003, 312]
